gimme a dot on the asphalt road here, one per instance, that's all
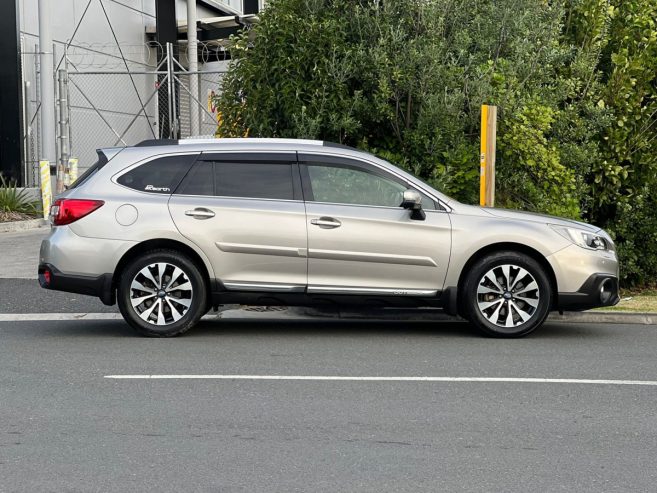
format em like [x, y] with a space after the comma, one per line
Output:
[65, 427]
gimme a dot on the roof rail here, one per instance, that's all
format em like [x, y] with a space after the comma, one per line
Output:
[242, 140]
[157, 142]
[215, 140]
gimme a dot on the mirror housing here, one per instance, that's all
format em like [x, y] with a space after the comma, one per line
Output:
[412, 200]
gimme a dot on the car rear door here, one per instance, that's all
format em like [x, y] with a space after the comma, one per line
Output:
[245, 210]
[360, 239]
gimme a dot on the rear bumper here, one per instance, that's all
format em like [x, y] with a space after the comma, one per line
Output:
[597, 291]
[100, 286]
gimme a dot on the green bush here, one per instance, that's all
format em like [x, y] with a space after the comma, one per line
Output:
[575, 83]
[14, 200]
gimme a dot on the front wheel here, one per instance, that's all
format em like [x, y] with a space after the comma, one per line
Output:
[162, 294]
[507, 294]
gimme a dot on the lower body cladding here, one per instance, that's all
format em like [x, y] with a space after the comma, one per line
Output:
[599, 290]
[100, 286]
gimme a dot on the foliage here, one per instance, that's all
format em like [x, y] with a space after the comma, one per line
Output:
[14, 200]
[574, 82]
[623, 182]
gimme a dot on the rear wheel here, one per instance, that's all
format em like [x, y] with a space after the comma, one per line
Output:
[507, 294]
[162, 294]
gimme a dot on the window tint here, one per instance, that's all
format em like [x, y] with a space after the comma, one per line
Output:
[342, 185]
[199, 181]
[253, 180]
[158, 176]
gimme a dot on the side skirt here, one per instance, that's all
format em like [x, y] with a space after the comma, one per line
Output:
[445, 299]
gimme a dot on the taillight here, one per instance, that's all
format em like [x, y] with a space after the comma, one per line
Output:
[67, 211]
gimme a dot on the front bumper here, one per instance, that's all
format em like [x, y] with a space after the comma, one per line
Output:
[597, 291]
[101, 286]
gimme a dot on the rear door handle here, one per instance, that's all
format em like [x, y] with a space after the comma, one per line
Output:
[200, 213]
[326, 222]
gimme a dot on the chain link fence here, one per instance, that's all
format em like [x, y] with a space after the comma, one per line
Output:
[110, 109]
[201, 109]
[104, 100]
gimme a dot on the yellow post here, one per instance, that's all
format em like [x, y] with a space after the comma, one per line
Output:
[72, 170]
[482, 156]
[46, 194]
[487, 156]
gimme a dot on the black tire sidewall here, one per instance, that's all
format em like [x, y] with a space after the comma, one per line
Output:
[488, 262]
[193, 314]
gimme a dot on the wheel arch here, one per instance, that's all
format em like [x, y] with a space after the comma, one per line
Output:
[161, 243]
[502, 247]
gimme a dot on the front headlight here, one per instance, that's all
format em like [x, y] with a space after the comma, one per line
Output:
[583, 238]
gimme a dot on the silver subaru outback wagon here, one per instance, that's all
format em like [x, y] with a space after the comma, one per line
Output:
[170, 229]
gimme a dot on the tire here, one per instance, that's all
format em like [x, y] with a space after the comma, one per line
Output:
[155, 309]
[506, 294]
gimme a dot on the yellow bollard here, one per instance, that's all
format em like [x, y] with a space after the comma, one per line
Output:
[46, 193]
[72, 170]
[487, 156]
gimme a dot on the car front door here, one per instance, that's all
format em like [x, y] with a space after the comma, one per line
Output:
[246, 212]
[360, 239]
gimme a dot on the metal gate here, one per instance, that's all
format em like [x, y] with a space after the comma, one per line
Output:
[122, 107]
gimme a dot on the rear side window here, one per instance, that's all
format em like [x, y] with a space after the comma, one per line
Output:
[160, 175]
[252, 180]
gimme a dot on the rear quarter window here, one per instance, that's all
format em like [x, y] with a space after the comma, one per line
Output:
[161, 175]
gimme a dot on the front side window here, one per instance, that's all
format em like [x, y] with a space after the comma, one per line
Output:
[354, 186]
[160, 175]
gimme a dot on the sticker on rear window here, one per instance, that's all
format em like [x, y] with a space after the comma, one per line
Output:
[151, 188]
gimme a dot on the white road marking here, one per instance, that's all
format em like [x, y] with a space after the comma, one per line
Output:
[649, 383]
[36, 317]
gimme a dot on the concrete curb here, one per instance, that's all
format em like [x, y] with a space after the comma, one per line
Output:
[15, 226]
[423, 315]
[606, 317]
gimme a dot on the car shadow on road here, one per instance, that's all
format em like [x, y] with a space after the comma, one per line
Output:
[319, 328]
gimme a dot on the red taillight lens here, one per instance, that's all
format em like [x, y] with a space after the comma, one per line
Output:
[67, 211]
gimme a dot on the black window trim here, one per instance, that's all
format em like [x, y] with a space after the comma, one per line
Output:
[349, 162]
[251, 157]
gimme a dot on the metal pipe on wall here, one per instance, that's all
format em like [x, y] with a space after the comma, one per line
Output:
[192, 56]
[63, 130]
[47, 83]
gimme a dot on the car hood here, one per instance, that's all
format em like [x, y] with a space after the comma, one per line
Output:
[542, 218]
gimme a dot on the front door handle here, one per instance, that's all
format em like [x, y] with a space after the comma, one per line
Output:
[200, 213]
[326, 222]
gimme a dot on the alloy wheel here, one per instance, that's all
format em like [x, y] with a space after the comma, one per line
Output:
[508, 296]
[161, 293]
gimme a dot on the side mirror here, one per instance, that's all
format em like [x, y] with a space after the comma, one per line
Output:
[413, 200]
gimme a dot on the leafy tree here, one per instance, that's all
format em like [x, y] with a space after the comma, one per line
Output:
[574, 82]
[406, 79]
